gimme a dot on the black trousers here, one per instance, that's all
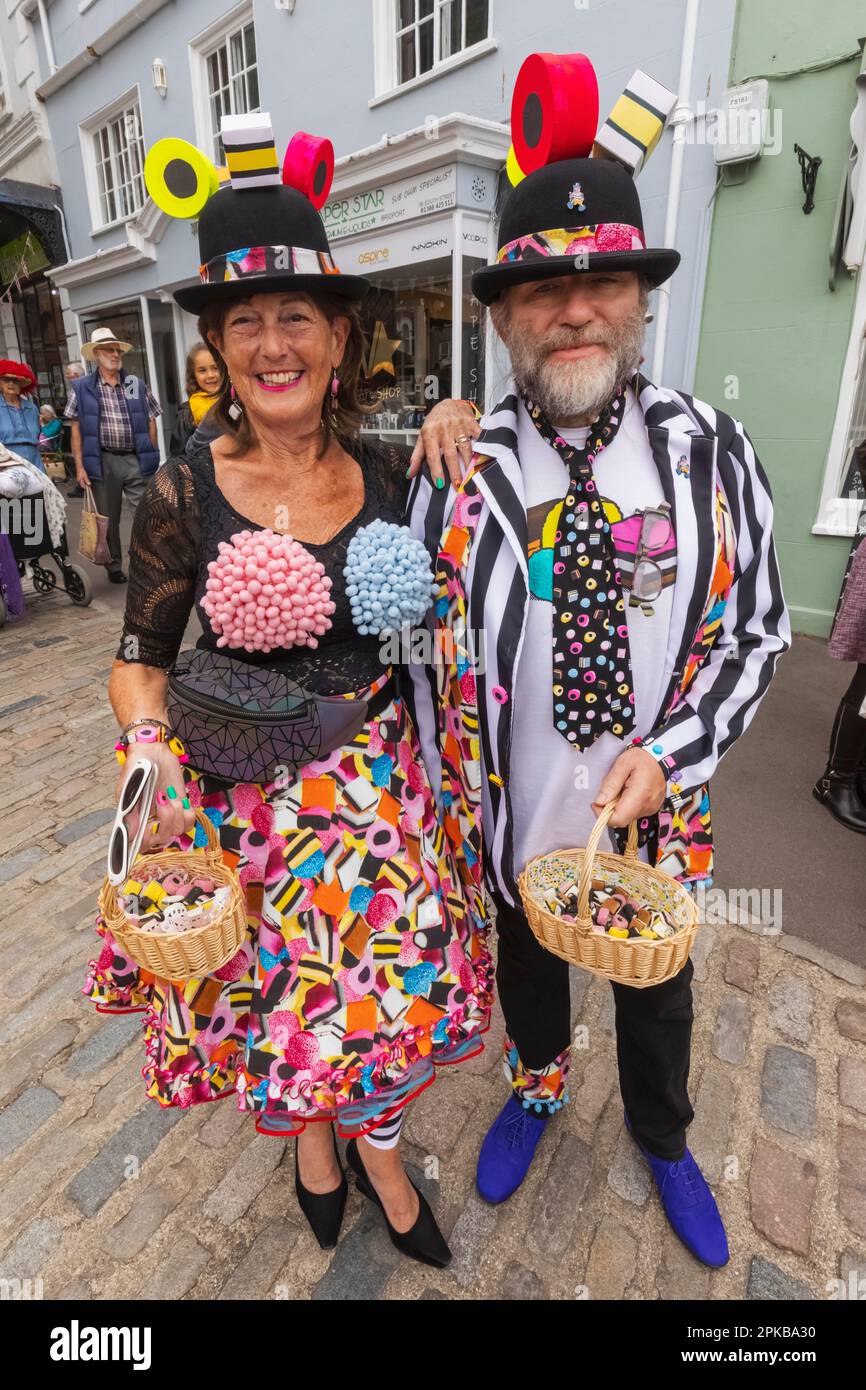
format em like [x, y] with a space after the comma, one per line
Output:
[653, 1031]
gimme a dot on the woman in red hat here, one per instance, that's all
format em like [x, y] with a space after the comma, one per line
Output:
[19, 417]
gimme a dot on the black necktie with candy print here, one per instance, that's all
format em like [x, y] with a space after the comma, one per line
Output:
[592, 681]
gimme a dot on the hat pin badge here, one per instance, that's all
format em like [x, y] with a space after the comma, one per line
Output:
[576, 199]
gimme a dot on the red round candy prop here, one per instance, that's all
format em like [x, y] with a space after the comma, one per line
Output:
[554, 110]
[308, 166]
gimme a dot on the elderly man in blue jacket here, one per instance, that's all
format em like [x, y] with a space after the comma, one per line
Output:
[114, 441]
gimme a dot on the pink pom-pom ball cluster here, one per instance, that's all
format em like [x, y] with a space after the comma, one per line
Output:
[266, 591]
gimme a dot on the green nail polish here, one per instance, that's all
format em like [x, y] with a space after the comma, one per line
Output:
[408, 470]
[440, 482]
[171, 793]
[185, 803]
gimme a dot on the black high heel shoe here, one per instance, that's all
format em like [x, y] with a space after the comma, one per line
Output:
[323, 1210]
[423, 1241]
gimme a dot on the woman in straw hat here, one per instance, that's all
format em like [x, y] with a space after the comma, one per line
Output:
[366, 960]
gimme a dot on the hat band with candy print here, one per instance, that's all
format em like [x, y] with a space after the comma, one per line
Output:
[573, 241]
[265, 260]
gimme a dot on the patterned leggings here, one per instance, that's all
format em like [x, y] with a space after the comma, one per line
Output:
[384, 1136]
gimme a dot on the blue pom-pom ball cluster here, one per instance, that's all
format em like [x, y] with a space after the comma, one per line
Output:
[389, 581]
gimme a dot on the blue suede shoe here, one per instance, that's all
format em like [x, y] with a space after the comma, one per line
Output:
[508, 1149]
[689, 1206]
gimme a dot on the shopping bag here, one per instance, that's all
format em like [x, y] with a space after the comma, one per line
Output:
[54, 465]
[93, 535]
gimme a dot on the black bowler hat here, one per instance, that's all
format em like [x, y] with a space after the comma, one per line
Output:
[259, 232]
[263, 240]
[572, 216]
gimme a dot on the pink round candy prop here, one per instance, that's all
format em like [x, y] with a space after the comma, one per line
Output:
[266, 591]
[308, 166]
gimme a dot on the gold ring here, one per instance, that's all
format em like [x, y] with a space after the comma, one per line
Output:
[462, 439]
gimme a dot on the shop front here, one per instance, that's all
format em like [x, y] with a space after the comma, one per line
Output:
[31, 241]
[418, 234]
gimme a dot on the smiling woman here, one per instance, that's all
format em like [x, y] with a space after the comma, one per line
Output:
[365, 961]
[304, 327]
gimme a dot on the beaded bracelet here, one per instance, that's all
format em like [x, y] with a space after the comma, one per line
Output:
[147, 723]
[155, 732]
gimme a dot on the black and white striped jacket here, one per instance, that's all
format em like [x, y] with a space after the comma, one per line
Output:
[729, 623]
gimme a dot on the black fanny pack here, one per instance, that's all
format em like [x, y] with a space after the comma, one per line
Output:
[246, 723]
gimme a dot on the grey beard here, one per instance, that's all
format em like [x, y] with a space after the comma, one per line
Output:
[568, 389]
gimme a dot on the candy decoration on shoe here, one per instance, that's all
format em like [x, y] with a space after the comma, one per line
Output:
[308, 165]
[265, 592]
[389, 581]
[554, 110]
[251, 154]
[634, 126]
[179, 178]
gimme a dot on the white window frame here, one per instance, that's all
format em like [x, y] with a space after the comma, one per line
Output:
[386, 84]
[837, 516]
[200, 49]
[87, 132]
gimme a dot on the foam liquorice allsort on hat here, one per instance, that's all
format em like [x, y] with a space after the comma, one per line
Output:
[259, 226]
[573, 206]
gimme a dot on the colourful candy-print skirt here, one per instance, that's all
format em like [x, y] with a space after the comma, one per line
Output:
[366, 960]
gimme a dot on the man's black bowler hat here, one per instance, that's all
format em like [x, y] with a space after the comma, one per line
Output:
[604, 199]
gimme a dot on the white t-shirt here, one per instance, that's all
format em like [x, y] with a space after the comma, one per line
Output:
[553, 784]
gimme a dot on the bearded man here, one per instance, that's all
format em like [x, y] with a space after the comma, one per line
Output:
[610, 555]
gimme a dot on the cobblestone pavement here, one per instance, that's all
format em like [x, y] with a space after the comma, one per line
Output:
[104, 1195]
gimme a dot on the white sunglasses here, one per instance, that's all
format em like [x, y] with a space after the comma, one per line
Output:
[136, 793]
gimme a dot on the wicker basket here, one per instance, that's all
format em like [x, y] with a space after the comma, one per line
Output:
[636, 961]
[182, 955]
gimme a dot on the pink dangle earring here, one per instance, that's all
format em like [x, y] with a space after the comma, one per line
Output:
[335, 387]
[235, 410]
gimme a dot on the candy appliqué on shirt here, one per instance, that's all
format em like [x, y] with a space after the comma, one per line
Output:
[542, 521]
[389, 579]
[266, 592]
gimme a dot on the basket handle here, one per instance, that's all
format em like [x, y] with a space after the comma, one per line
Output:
[586, 868]
[212, 849]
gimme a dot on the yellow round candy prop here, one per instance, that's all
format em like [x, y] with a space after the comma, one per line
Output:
[179, 178]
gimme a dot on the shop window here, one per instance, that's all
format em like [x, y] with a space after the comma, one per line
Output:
[225, 76]
[409, 346]
[41, 339]
[415, 38]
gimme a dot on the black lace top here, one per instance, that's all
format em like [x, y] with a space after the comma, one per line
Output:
[178, 526]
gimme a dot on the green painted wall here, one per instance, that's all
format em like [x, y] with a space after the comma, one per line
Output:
[769, 317]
